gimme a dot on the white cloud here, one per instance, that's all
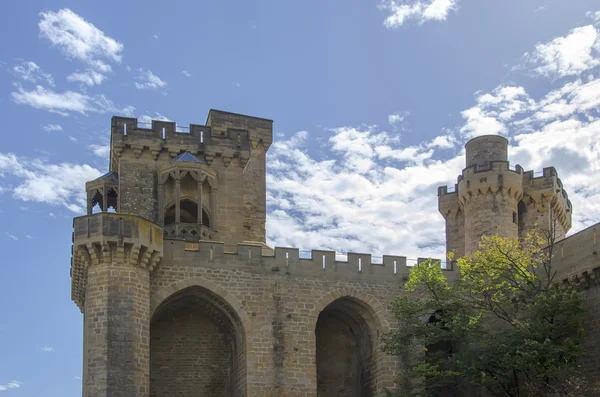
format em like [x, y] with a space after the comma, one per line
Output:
[400, 11]
[39, 181]
[369, 193]
[13, 384]
[149, 80]
[100, 150]
[32, 73]
[493, 110]
[65, 102]
[10, 236]
[47, 349]
[80, 39]
[397, 118]
[52, 127]
[566, 56]
[72, 138]
[595, 15]
[358, 198]
[89, 77]
[147, 119]
[541, 8]
[186, 73]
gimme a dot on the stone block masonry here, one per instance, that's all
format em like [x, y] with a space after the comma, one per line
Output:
[252, 322]
[181, 296]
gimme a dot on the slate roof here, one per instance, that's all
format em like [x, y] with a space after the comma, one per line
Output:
[113, 176]
[187, 157]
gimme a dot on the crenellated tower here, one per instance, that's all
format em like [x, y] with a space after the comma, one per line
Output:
[205, 184]
[491, 198]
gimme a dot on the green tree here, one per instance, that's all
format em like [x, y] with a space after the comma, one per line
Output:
[503, 325]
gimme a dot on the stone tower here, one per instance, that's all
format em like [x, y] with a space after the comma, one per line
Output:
[493, 198]
[204, 184]
[181, 296]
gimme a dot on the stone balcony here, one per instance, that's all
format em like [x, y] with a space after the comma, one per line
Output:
[112, 238]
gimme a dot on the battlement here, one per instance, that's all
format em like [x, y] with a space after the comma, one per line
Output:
[225, 134]
[547, 180]
[448, 203]
[288, 261]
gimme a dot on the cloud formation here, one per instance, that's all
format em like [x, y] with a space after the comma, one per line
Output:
[568, 55]
[65, 102]
[400, 11]
[79, 39]
[52, 127]
[29, 71]
[39, 181]
[363, 191]
[149, 81]
[89, 77]
[13, 384]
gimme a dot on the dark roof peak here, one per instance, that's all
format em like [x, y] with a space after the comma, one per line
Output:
[112, 175]
[186, 157]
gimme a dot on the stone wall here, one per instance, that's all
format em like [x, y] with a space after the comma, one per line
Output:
[189, 355]
[137, 188]
[578, 258]
[278, 299]
[255, 208]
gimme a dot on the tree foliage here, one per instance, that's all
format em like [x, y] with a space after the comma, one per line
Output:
[504, 326]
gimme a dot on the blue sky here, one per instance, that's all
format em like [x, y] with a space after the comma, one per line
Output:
[372, 102]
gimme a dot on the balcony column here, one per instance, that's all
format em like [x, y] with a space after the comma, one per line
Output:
[104, 207]
[213, 204]
[177, 205]
[90, 205]
[199, 186]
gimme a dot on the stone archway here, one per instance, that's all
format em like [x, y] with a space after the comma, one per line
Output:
[197, 343]
[347, 333]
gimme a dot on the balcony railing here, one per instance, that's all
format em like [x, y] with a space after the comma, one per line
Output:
[189, 231]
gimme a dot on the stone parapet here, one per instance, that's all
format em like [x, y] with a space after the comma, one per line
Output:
[497, 178]
[546, 192]
[287, 261]
[448, 204]
[226, 135]
[111, 238]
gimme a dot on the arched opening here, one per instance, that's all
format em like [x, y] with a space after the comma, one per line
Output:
[345, 334]
[197, 347]
[438, 354]
[188, 213]
[97, 204]
[521, 215]
[111, 200]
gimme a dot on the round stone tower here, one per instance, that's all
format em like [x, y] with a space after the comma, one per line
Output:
[488, 191]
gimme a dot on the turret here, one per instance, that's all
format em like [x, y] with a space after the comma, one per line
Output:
[488, 191]
[490, 198]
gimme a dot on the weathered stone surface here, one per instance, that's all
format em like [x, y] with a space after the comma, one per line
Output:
[182, 297]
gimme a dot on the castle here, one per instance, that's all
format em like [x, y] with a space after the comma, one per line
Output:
[181, 296]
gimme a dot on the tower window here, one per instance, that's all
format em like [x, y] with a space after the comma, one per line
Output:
[514, 217]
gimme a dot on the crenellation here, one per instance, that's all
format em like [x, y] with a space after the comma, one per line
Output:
[321, 263]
